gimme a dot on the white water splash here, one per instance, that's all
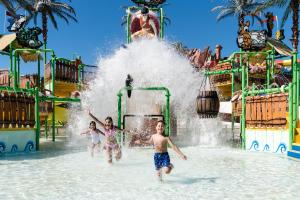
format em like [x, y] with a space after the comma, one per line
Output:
[151, 63]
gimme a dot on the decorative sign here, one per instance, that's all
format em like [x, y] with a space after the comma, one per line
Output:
[251, 40]
[26, 37]
[29, 37]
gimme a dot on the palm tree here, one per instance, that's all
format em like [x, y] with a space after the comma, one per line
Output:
[292, 6]
[50, 8]
[239, 8]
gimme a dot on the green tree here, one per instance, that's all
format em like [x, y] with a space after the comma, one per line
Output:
[239, 8]
[51, 9]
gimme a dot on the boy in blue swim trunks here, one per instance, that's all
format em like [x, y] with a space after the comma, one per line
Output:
[161, 155]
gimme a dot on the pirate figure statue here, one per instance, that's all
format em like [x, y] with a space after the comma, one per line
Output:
[147, 25]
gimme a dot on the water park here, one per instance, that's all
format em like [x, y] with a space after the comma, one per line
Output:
[227, 117]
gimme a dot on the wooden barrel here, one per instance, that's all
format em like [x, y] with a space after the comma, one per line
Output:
[1, 110]
[208, 104]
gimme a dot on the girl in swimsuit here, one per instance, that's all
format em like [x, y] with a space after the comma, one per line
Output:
[111, 145]
[94, 133]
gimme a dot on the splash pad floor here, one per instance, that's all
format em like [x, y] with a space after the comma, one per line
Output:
[69, 172]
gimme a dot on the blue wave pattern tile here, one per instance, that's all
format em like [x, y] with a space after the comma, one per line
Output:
[2, 147]
[29, 146]
[281, 147]
[266, 147]
[14, 148]
[254, 145]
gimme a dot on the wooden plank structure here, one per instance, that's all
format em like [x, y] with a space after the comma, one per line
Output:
[66, 71]
[16, 110]
[266, 111]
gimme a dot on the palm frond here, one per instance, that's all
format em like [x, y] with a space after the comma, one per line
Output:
[285, 16]
[225, 13]
[52, 19]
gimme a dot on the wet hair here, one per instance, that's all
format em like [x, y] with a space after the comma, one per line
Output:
[161, 121]
[93, 122]
[111, 120]
[145, 10]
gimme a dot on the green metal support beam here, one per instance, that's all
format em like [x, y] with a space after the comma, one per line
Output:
[167, 111]
[208, 73]
[37, 118]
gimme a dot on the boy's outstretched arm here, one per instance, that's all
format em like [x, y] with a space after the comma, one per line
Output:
[176, 149]
[96, 119]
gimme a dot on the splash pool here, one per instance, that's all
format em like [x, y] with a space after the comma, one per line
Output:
[209, 173]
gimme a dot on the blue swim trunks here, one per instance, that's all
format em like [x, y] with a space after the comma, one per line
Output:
[161, 160]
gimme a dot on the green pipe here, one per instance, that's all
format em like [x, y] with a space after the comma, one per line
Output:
[7, 88]
[167, 112]
[46, 127]
[11, 63]
[39, 73]
[251, 53]
[37, 119]
[161, 23]
[295, 90]
[138, 8]
[291, 130]
[128, 26]
[229, 71]
[120, 117]
[225, 61]
[27, 85]
[167, 118]
[243, 120]
[272, 62]
[33, 51]
[18, 76]
[15, 72]
[58, 99]
[120, 110]
[268, 74]
[247, 72]
[52, 62]
[265, 91]
[232, 92]
[145, 88]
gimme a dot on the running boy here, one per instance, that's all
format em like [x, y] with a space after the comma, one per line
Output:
[161, 155]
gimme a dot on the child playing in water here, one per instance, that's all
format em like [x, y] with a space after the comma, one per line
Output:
[111, 144]
[161, 155]
[94, 133]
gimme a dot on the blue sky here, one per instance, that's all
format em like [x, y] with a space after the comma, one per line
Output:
[99, 29]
